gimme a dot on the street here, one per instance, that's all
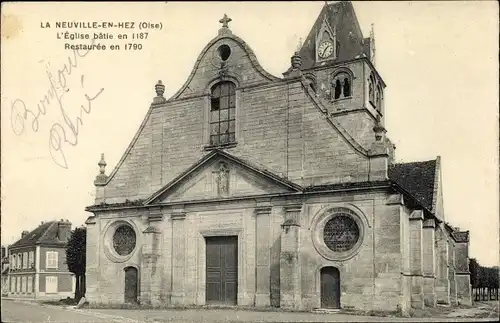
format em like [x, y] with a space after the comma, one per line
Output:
[15, 311]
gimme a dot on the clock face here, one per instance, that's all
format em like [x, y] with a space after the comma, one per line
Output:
[325, 49]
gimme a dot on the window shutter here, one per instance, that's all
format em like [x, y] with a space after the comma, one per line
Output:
[56, 259]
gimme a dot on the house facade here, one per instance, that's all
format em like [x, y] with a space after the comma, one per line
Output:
[5, 271]
[248, 189]
[38, 263]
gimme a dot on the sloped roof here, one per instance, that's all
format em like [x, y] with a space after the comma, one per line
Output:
[45, 233]
[341, 16]
[417, 178]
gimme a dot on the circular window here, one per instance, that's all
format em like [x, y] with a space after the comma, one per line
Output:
[337, 233]
[224, 52]
[124, 240]
[341, 233]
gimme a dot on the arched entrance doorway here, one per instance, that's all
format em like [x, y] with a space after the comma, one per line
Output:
[330, 287]
[131, 285]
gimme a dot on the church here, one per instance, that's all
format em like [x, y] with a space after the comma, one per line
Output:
[247, 189]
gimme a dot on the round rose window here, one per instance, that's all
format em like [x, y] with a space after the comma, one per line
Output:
[341, 233]
[124, 240]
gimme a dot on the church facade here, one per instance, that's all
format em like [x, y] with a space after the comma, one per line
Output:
[252, 190]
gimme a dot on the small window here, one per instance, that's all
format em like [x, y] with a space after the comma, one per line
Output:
[342, 85]
[51, 259]
[224, 52]
[223, 114]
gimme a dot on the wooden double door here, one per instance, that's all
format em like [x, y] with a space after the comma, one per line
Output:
[221, 270]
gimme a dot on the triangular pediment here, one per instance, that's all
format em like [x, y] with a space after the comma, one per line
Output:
[220, 175]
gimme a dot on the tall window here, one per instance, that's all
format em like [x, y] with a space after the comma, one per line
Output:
[31, 259]
[25, 260]
[222, 114]
[341, 86]
[371, 90]
[30, 284]
[23, 284]
[379, 98]
[51, 260]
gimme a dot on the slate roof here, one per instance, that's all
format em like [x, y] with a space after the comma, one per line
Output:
[45, 233]
[417, 178]
[341, 16]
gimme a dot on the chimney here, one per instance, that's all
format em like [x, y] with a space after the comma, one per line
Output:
[24, 234]
[63, 230]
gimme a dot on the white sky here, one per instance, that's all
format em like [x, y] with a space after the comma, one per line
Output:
[439, 60]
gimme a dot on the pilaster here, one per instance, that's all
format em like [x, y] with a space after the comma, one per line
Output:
[442, 281]
[462, 274]
[429, 255]
[416, 256]
[178, 260]
[451, 270]
[290, 276]
[151, 254]
[263, 265]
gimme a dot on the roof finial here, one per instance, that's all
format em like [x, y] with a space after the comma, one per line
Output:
[102, 165]
[225, 20]
[160, 89]
[102, 177]
[225, 28]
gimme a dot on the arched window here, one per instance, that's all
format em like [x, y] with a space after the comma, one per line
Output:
[379, 98]
[371, 90]
[347, 87]
[341, 85]
[222, 113]
[338, 89]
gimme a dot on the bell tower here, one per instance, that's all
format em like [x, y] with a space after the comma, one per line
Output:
[339, 64]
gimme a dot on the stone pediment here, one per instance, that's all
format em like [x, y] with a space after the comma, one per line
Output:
[220, 175]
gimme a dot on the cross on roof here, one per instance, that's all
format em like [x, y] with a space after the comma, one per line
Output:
[224, 21]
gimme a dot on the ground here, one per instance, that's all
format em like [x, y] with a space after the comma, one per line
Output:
[27, 312]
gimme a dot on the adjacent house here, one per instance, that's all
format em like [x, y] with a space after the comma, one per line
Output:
[38, 263]
[5, 271]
